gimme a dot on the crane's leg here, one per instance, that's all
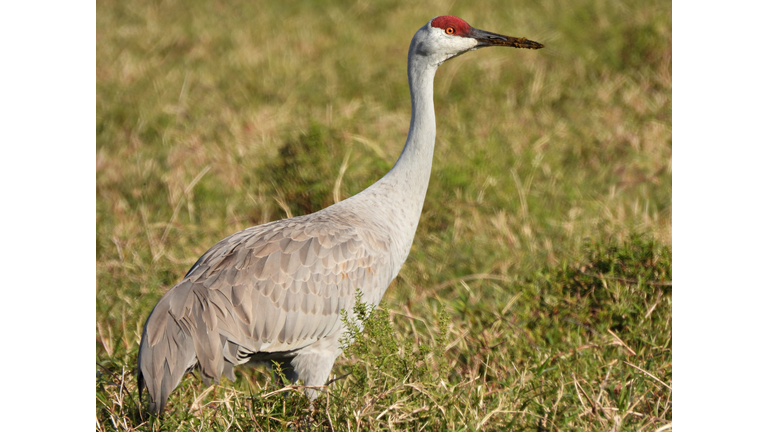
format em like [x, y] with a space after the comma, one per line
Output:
[313, 363]
[313, 369]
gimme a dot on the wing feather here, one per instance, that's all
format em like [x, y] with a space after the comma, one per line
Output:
[273, 288]
[281, 278]
[265, 248]
[271, 266]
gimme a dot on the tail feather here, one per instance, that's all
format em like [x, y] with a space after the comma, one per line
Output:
[163, 364]
[182, 331]
[207, 343]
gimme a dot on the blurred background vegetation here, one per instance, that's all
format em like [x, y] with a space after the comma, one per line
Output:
[545, 237]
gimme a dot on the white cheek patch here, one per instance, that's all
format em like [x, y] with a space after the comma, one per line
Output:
[448, 46]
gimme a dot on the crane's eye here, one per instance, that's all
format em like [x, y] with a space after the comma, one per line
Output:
[450, 30]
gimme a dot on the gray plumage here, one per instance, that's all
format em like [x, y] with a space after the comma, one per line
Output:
[273, 291]
[276, 291]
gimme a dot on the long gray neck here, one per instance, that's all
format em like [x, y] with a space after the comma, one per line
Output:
[415, 161]
[397, 198]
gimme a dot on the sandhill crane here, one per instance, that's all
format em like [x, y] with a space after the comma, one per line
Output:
[275, 292]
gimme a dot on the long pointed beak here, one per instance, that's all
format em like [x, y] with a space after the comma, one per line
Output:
[485, 38]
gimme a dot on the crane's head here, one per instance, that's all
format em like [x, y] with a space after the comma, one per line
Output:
[447, 36]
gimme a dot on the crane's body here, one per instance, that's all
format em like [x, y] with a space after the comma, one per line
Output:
[275, 292]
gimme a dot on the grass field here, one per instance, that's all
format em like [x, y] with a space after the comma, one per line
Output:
[537, 295]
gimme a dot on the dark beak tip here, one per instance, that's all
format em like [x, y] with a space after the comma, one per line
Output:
[527, 43]
[486, 38]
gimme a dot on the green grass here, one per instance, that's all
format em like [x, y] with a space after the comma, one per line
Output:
[537, 295]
